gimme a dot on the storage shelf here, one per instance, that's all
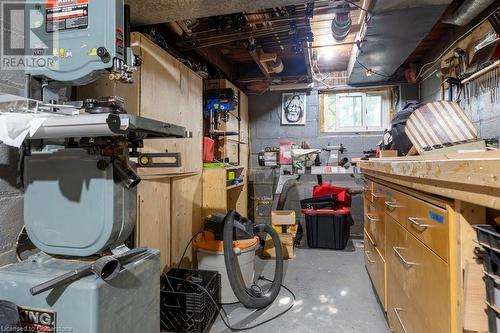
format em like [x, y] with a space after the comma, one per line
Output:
[238, 167]
[235, 186]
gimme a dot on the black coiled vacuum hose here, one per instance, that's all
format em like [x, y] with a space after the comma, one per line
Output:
[248, 297]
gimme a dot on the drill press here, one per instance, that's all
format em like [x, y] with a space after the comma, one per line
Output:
[80, 188]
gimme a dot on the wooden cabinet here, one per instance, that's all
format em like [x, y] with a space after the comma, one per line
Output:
[375, 264]
[169, 199]
[415, 273]
[221, 195]
[406, 252]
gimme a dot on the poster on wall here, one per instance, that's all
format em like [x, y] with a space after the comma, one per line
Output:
[293, 109]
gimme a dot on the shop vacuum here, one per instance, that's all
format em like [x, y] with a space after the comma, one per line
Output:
[225, 250]
[228, 244]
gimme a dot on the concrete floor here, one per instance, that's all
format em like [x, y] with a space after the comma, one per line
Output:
[333, 290]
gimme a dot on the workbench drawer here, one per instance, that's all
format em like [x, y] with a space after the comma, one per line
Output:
[374, 225]
[416, 275]
[401, 312]
[427, 222]
[375, 265]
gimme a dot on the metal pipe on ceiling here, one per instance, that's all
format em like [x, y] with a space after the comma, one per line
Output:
[332, 45]
[467, 11]
[255, 56]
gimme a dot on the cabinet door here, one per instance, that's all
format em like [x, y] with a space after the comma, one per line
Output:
[375, 224]
[418, 282]
[375, 264]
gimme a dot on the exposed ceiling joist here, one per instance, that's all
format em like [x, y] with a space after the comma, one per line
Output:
[217, 60]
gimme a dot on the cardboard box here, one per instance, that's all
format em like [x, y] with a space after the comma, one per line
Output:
[287, 242]
[388, 153]
[284, 229]
[283, 217]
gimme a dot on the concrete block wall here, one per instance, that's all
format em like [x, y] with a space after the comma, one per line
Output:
[11, 191]
[11, 202]
[266, 130]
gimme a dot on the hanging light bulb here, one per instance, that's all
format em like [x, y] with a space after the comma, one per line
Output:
[369, 72]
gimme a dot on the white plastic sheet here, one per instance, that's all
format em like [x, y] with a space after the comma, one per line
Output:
[17, 121]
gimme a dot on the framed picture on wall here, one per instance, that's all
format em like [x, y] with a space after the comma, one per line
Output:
[293, 109]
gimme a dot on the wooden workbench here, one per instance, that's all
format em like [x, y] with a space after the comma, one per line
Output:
[460, 186]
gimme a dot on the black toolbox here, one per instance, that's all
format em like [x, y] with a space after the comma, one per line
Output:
[327, 228]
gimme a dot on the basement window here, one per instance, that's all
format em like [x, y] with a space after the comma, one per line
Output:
[354, 112]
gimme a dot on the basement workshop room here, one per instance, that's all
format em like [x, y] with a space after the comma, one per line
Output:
[218, 166]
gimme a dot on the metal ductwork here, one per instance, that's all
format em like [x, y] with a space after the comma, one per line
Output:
[384, 48]
[271, 62]
[467, 11]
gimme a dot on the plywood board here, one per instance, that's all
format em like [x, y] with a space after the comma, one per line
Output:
[186, 216]
[171, 92]
[475, 315]
[244, 119]
[214, 191]
[153, 217]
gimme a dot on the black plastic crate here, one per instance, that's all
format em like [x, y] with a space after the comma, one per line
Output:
[488, 235]
[491, 261]
[328, 230]
[184, 305]
[492, 289]
[493, 320]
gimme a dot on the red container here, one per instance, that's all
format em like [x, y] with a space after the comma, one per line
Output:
[343, 194]
[286, 152]
[208, 150]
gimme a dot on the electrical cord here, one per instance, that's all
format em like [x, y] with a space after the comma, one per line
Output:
[220, 308]
[357, 6]
[187, 246]
[225, 317]
[371, 70]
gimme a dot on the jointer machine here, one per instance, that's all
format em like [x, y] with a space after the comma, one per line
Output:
[80, 186]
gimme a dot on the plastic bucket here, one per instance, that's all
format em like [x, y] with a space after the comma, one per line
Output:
[214, 261]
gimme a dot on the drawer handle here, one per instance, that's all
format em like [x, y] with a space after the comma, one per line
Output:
[406, 262]
[393, 205]
[368, 257]
[377, 195]
[396, 311]
[371, 218]
[414, 221]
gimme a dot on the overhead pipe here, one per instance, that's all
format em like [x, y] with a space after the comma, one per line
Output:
[467, 11]
[175, 28]
[252, 49]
